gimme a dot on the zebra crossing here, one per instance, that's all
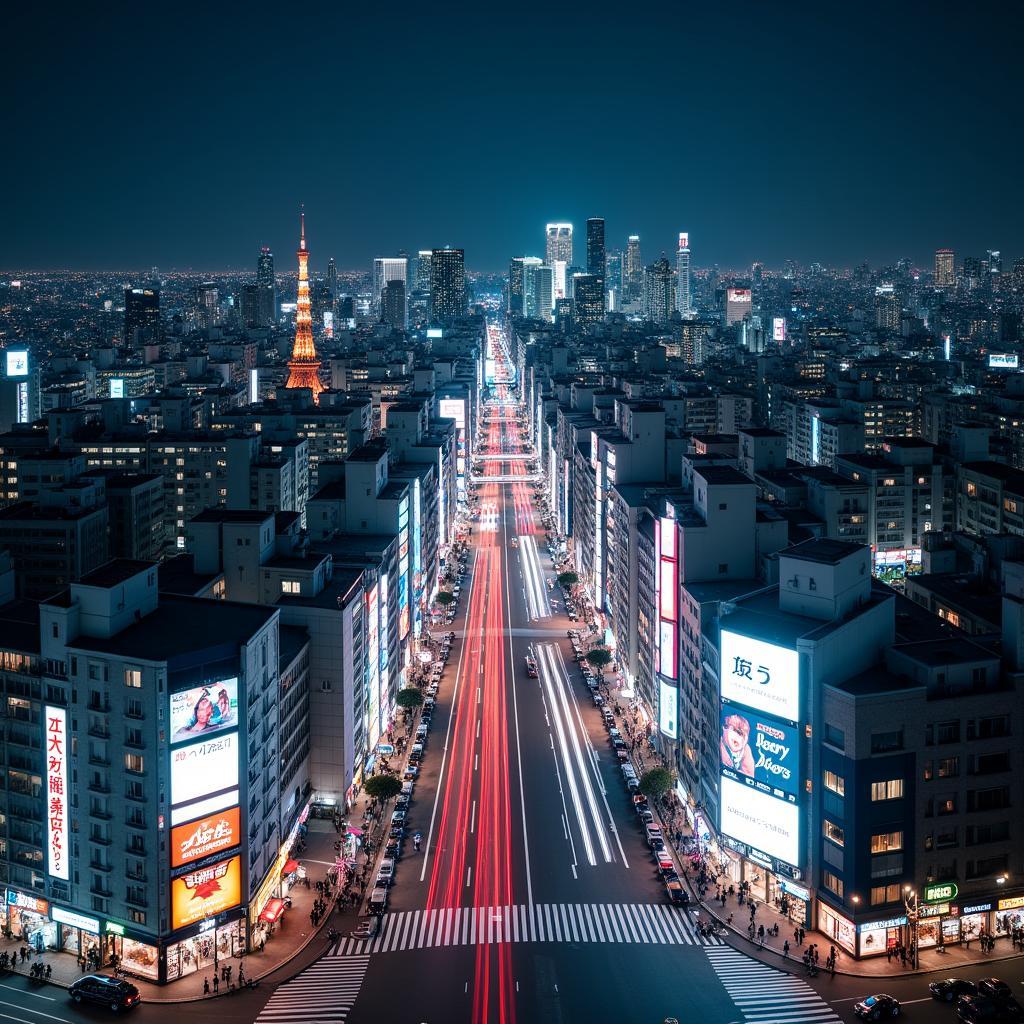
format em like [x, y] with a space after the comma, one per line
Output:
[322, 994]
[765, 995]
[643, 923]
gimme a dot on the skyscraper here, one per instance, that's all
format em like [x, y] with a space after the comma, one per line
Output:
[515, 286]
[945, 268]
[142, 316]
[995, 261]
[267, 284]
[683, 275]
[423, 271]
[613, 279]
[595, 246]
[332, 281]
[559, 254]
[531, 266]
[392, 304]
[447, 284]
[304, 366]
[388, 268]
[632, 269]
[588, 300]
[659, 297]
[888, 308]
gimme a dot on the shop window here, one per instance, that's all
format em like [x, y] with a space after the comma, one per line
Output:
[886, 842]
[832, 882]
[891, 789]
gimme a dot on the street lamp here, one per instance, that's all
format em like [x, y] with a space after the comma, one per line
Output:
[914, 919]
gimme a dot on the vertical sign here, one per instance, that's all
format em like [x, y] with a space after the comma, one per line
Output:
[56, 791]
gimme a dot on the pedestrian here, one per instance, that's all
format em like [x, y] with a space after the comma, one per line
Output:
[760, 934]
[802, 935]
[903, 955]
[206, 986]
[796, 936]
[888, 952]
[216, 984]
[785, 948]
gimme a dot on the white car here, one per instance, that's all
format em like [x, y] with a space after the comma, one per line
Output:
[386, 872]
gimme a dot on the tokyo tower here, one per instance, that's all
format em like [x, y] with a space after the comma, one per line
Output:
[304, 367]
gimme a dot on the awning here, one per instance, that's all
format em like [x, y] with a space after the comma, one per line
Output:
[290, 866]
[274, 908]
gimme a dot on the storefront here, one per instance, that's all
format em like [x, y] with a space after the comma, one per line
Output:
[839, 928]
[79, 935]
[28, 919]
[875, 937]
[206, 947]
[1009, 915]
[132, 956]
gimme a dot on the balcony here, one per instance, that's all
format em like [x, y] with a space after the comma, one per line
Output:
[100, 840]
[98, 786]
[98, 865]
[95, 812]
[101, 890]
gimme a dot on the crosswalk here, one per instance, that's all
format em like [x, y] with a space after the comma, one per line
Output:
[765, 995]
[322, 994]
[643, 923]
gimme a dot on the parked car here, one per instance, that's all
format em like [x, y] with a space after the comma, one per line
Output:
[949, 989]
[877, 1006]
[378, 901]
[987, 1010]
[114, 993]
[994, 988]
[676, 893]
[367, 928]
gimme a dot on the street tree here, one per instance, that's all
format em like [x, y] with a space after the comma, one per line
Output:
[568, 579]
[382, 787]
[409, 698]
[600, 658]
[444, 598]
[657, 782]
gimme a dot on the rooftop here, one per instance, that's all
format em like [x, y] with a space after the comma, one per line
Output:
[828, 552]
[114, 573]
[231, 515]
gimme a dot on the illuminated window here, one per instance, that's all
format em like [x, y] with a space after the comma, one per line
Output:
[832, 882]
[290, 587]
[133, 677]
[885, 894]
[133, 763]
[1010, 505]
[834, 833]
[835, 782]
[891, 789]
[972, 489]
[886, 842]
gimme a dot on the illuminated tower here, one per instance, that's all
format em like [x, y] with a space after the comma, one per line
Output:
[304, 367]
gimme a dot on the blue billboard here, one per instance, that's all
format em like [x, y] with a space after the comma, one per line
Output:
[760, 750]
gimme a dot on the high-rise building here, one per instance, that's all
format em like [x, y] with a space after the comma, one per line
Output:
[738, 305]
[447, 284]
[995, 261]
[205, 305]
[388, 268]
[392, 304]
[945, 268]
[267, 284]
[632, 269]
[659, 294]
[423, 270]
[304, 366]
[332, 281]
[595, 247]
[559, 254]
[683, 275]
[532, 267]
[142, 316]
[887, 308]
[515, 286]
[613, 272]
[588, 300]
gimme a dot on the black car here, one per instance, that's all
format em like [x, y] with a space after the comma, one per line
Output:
[877, 1006]
[105, 991]
[950, 989]
[986, 1010]
[994, 988]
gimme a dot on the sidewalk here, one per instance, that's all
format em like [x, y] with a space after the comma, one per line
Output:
[294, 933]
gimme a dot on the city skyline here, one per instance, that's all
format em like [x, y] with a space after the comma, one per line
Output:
[908, 158]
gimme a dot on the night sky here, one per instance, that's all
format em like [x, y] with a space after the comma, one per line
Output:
[185, 137]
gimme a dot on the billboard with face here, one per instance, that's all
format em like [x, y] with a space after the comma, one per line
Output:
[202, 710]
[760, 675]
[760, 751]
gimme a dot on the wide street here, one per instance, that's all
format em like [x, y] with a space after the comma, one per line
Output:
[534, 897]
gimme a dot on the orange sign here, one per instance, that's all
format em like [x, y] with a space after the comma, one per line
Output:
[205, 892]
[198, 839]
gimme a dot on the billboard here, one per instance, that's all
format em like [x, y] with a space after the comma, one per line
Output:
[760, 675]
[57, 844]
[760, 751]
[117, 387]
[204, 710]
[197, 840]
[206, 892]
[996, 361]
[668, 709]
[204, 768]
[738, 295]
[758, 820]
[684, 240]
[779, 328]
[453, 409]
[17, 362]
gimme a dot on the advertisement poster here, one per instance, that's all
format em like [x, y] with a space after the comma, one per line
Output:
[760, 675]
[203, 710]
[204, 768]
[57, 792]
[759, 750]
[206, 892]
[196, 840]
[765, 824]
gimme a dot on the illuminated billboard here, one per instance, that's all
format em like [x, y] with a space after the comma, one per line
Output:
[758, 820]
[453, 409]
[668, 709]
[17, 362]
[203, 769]
[204, 710]
[760, 751]
[996, 361]
[117, 387]
[197, 840]
[684, 240]
[779, 328]
[206, 892]
[738, 295]
[57, 844]
[435, 332]
[760, 675]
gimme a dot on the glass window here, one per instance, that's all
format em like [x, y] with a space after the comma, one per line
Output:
[835, 782]
[133, 677]
[891, 789]
[133, 763]
[834, 832]
[832, 882]
[884, 842]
